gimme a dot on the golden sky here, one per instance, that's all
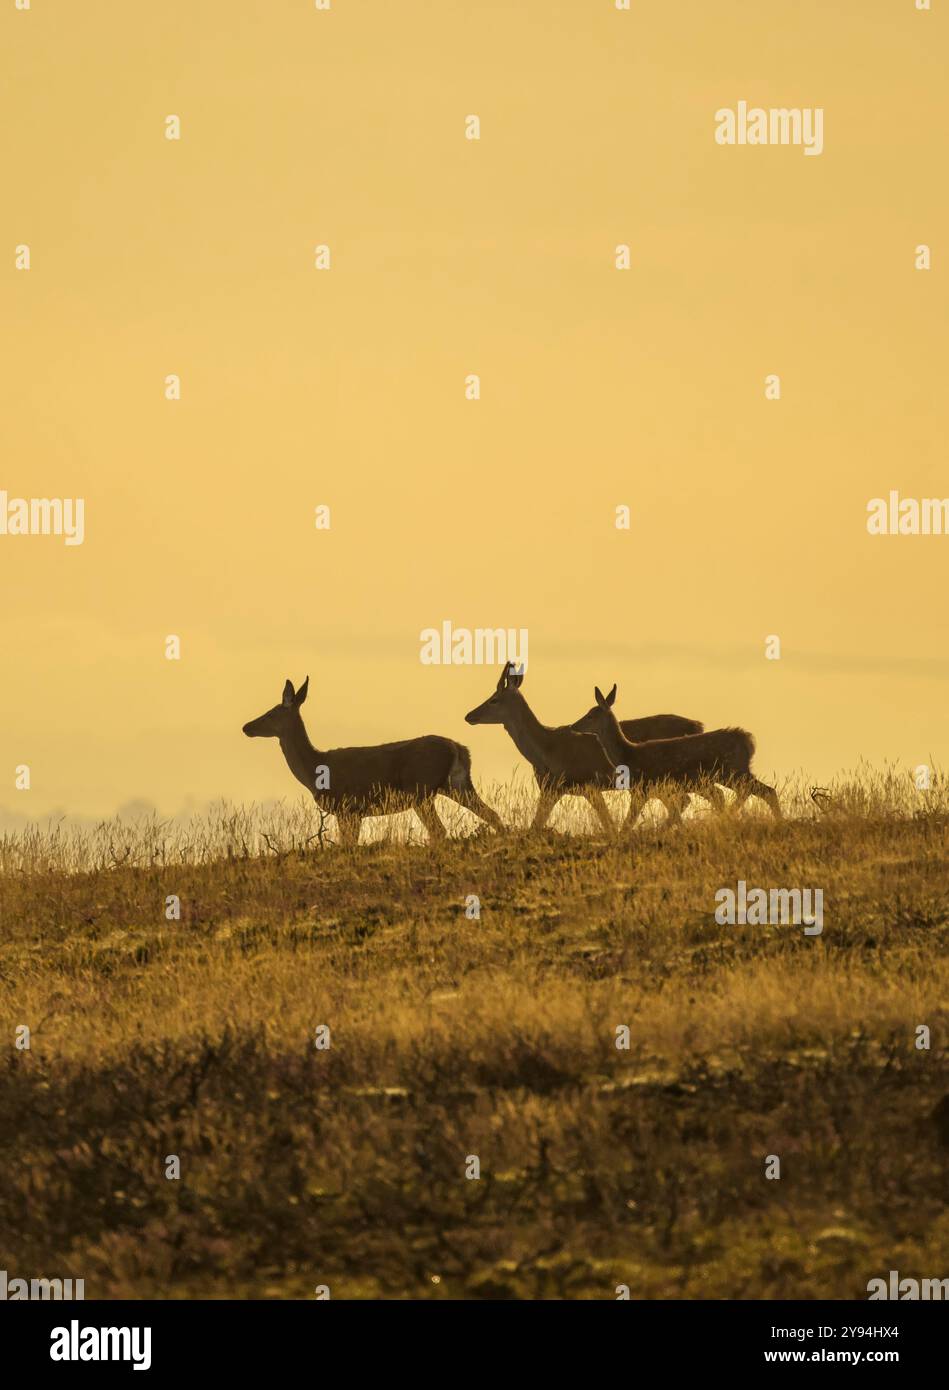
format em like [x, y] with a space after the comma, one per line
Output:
[345, 387]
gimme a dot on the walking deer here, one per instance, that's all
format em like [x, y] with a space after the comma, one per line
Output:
[564, 760]
[652, 726]
[357, 782]
[697, 760]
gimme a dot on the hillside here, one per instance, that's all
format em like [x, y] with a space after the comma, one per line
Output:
[495, 1037]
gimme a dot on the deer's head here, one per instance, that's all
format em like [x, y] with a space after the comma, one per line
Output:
[498, 706]
[599, 715]
[280, 719]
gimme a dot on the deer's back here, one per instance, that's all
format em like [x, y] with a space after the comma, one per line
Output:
[723, 751]
[415, 766]
[660, 726]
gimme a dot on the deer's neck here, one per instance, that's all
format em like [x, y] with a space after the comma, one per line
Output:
[302, 758]
[617, 747]
[531, 737]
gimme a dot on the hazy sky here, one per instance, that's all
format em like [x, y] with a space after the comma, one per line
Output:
[346, 387]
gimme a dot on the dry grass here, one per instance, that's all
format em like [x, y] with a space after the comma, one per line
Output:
[494, 1037]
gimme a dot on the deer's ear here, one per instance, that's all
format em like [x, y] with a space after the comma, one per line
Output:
[612, 696]
[599, 695]
[288, 695]
[517, 675]
[301, 693]
[502, 680]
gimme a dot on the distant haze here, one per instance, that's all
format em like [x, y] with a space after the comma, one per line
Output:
[345, 388]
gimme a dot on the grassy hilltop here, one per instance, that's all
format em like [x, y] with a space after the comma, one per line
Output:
[493, 1037]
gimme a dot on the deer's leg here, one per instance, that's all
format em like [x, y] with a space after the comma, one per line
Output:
[598, 801]
[637, 800]
[469, 798]
[749, 785]
[546, 803]
[348, 825]
[745, 786]
[675, 803]
[767, 794]
[425, 810]
[713, 795]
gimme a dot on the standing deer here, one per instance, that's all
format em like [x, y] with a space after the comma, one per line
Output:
[697, 760]
[564, 759]
[357, 782]
[652, 726]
